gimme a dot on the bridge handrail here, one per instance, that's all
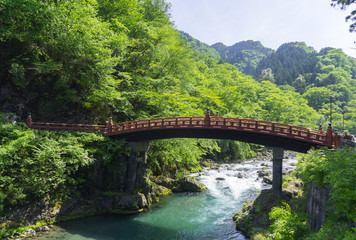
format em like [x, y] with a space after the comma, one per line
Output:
[68, 127]
[250, 125]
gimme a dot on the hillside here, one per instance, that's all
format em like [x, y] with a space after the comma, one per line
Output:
[245, 55]
[317, 76]
[199, 46]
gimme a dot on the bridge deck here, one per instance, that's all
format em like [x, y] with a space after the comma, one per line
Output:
[248, 130]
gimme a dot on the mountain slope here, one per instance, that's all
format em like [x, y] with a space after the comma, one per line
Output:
[245, 55]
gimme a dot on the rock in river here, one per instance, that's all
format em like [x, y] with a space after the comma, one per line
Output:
[190, 184]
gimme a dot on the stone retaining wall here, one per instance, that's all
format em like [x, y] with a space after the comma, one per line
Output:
[317, 205]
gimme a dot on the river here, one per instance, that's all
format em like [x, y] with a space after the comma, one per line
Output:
[206, 215]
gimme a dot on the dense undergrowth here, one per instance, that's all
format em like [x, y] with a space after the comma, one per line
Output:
[325, 168]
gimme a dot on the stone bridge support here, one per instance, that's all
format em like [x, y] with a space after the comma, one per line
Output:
[137, 165]
[278, 154]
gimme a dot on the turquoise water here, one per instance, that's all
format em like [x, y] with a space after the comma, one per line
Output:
[206, 215]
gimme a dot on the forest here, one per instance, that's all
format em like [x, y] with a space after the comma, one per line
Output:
[86, 61]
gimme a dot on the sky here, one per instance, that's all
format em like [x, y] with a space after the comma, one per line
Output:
[272, 22]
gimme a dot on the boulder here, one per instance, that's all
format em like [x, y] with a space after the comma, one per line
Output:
[45, 229]
[220, 178]
[190, 184]
[263, 173]
[293, 187]
[130, 201]
[240, 175]
[166, 182]
[267, 180]
[160, 190]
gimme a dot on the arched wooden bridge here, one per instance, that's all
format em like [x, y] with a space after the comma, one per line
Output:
[266, 133]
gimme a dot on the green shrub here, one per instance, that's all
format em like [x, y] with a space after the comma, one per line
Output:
[287, 225]
[37, 165]
[334, 169]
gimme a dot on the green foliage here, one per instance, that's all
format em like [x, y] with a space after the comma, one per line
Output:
[317, 97]
[288, 62]
[232, 151]
[333, 229]
[199, 46]
[344, 4]
[287, 225]
[38, 165]
[335, 169]
[245, 55]
[169, 156]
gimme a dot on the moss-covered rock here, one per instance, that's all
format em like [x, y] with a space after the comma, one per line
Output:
[185, 184]
[254, 216]
[190, 184]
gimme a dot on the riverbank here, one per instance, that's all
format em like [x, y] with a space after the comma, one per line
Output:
[40, 215]
[317, 202]
[190, 215]
[254, 217]
[226, 181]
[105, 203]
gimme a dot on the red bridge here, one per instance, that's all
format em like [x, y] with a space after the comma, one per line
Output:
[266, 133]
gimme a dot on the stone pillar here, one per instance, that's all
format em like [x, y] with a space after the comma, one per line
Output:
[136, 165]
[277, 170]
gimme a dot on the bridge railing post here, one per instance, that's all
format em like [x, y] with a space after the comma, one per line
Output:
[329, 136]
[207, 117]
[109, 127]
[336, 140]
[29, 121]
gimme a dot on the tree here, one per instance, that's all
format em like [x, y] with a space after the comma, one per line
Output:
[300, 84]
[267, 75]
[317, 96]
[344, 4]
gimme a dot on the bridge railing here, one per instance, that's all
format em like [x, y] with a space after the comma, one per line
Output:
[248, 125]
[92, 128]
[266, 127]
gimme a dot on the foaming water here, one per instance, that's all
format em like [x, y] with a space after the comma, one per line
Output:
[206, 215]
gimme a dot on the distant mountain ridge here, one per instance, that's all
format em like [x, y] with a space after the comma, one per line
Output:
[324, 77]
[199, 46]
[245, 55]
